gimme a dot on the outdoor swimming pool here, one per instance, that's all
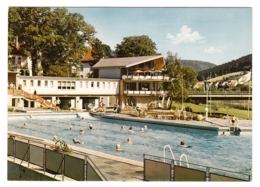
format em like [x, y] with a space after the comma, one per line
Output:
[225, 152]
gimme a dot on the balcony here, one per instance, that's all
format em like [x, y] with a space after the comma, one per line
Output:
[146, 77]
[143, 92]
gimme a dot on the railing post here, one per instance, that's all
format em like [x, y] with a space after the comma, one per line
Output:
[207, 174]
[44, 158]
[28, 153]
[63, 166]
[85, 167]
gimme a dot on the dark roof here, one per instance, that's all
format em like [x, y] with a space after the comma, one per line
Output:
[127, 61]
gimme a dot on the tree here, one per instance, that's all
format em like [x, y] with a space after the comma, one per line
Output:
[99, 50]
[51, 37]
[136, 46]
[183, 77]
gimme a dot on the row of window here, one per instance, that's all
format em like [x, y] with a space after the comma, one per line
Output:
[71, 84]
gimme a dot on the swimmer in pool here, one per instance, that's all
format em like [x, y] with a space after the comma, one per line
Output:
[130, 129]
[145, 127]
[118, 147]
[81, 131]
[75, 141]
[24, 124]
[129, 140]
[223, 134]
[142, 130]
[90, 127]
[122, 128]
[55, 138]
[70, 128]
[182, 144]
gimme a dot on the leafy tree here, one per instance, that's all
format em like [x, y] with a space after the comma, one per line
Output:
[99, 50]
[58, 70]
[51, 37]
[183, 77]
[136, 46]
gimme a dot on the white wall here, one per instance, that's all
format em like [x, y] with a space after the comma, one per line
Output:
[84, 86]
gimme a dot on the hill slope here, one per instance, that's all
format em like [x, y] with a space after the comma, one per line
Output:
[198, 65]
[241, 64]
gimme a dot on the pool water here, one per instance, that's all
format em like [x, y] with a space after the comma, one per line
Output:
[224, 152]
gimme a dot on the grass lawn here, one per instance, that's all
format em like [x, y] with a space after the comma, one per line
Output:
[241, 114]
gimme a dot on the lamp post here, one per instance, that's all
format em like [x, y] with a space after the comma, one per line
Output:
[182, 91]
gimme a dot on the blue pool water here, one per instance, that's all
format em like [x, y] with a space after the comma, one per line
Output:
[225, 152]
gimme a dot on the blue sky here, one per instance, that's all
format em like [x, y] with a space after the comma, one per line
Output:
[216, 35]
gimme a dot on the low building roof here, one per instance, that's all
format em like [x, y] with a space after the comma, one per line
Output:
[128, 61]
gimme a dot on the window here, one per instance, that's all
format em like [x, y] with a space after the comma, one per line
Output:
[59, 84]
[103, 85]
[19, 60]
[108, 85]
[92, 84]
[72, 85]
[51, 84]
[31, 82]
[114, 85]
[80, 84]
[68, 85]
[39, 83]
[24, 82]
[86, 84]
[65, 85]
[46, 83]
[97, 84]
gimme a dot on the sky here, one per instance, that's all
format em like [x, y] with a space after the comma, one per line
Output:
[215, 35]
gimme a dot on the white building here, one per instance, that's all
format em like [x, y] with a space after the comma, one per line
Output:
[123, 81]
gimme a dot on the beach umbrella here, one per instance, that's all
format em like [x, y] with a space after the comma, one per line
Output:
[138, 71]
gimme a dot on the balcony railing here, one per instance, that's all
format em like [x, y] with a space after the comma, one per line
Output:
[143, 92]
[145, 77]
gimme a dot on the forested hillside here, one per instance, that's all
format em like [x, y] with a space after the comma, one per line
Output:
[197, 65]
[242, 64]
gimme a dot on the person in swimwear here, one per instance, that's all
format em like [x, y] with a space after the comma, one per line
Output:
[182, 144]
[233, 120]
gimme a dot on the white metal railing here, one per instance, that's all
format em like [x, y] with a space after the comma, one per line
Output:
[146, 77]
[143, 92]
[183, 155]
[171, 153]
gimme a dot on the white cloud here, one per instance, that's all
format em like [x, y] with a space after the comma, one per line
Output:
[185, 36]
[212, 50]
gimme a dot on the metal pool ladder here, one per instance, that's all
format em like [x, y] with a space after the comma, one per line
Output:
[183, 155]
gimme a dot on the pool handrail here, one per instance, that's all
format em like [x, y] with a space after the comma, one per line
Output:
[171, 153]
[187, 162]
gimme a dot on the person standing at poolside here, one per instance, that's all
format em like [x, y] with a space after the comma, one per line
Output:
[233, 120]
[57, 103]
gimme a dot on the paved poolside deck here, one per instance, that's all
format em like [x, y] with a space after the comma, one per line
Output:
[120, 169]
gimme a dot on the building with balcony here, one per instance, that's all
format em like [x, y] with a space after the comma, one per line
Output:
[140, 77]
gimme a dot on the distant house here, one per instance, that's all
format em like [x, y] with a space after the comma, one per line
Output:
[87, 63]
[18, 62]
